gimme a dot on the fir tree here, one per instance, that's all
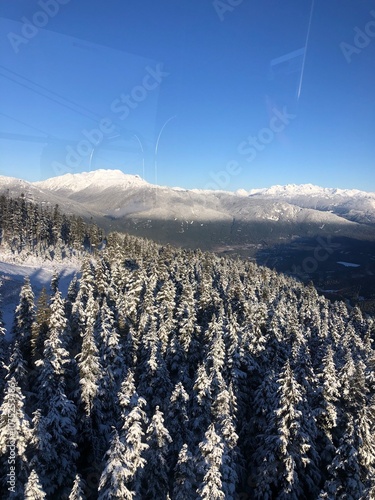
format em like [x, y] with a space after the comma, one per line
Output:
[184, 479]
[24, 317]
[178, 422]
[156, 473]
[2, 350]
[88, 360]
[15, 436]
[211, 449]
[78, 489]
[345, 473]
[40, 326]
[54, 443]
[124, 461]
[33, 488]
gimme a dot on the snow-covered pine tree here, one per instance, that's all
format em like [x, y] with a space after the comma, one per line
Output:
[177, 422]
[88, 359]
[15, 436]
[54, 442]
[156, 472]
[327, 412]
[109, 345]
[186, 317]
[258, 439]
[298, 457]
[53, 368]
[19, 364]
[40, 326]
[185, 476]
[2, 351]
[165, 303]
[223, 418]
[154, 383]
[201, 403]
[124, 463]
[116, 476]
[345, 474]
[111, 370]
[17, 367]
[177, 362]
[366, 444]
[33, 487]
[24, 318]
[211, 449]
[78, 489]
[55, 282]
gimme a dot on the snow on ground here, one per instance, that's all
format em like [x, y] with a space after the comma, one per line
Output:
[348, 264]
[12, 275]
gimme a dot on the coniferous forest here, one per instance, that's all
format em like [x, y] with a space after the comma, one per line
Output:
[174, 374]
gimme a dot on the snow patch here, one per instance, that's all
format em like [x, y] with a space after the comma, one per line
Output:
[348, 264]
[40, 272]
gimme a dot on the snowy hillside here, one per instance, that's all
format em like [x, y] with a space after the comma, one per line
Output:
[39, 271]
[170, 374]
[352, 204]
[13, 187]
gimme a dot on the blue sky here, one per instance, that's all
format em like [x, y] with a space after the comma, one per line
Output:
[190, 93]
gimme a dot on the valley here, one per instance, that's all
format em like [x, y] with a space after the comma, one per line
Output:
[303, 231]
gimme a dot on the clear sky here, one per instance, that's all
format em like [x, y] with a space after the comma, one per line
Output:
[192, 93]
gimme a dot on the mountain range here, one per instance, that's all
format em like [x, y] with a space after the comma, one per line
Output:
[116, 196]
[304, 230]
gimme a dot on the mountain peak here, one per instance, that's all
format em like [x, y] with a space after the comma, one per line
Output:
[101, 178]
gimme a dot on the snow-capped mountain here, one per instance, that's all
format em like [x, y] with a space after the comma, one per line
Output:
[102, 178]
[309, 190]
[352, 204]
[32, 192]
[123, 201]
[115, 194]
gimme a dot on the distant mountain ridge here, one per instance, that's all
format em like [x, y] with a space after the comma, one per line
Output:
[127, 202]
[309, 190]
[352, 204]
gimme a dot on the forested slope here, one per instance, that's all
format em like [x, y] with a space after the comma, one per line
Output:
[28, 228]
[177, 374]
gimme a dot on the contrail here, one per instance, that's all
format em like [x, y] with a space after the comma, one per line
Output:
[304, 55]
[157, 145]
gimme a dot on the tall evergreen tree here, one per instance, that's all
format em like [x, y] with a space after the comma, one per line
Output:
[156, 473]
[33, 488]
[54, 441]
[185, 476]
[24, 317]
[78, 489]
[2, 350]
[15, 436]
[125, 462]
[212, 450]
